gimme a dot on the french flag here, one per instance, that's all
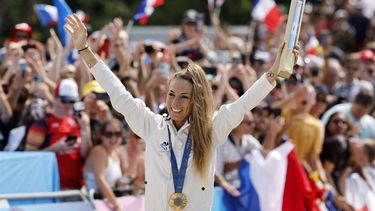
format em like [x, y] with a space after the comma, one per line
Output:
[267, 12]
[47, 14]
[63, 11]
[276, 182]
[359, 192]
[145, 10]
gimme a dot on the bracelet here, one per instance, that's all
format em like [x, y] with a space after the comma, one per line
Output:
[80, 50]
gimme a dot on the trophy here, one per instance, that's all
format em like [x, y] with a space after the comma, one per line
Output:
[291, 37]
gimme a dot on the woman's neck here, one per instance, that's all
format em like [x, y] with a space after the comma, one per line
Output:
[178, 124]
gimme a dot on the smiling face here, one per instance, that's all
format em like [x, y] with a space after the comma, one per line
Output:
[111, 137]
[179, 103]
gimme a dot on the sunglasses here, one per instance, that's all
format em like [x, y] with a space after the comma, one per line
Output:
[67, 101]
[338, 121]
[109, 134]
[250, 123]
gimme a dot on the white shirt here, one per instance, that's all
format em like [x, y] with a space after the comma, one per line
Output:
[230, 153]
[152, 128]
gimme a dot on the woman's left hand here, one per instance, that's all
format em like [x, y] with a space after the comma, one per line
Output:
[77, 31]
[275, 67]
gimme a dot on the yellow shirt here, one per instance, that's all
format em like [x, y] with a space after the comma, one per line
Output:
[305, 133]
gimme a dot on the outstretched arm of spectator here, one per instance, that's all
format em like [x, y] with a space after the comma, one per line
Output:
[12, 60]
[57, 61]
[5, 109]
[17, 85]
[224, 87]
[119, 46]
[179, 47]
[151, 84]
[84, 124]
[218, 30]
[33, 57]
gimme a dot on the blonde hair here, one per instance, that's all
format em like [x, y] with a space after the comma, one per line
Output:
[201, 116]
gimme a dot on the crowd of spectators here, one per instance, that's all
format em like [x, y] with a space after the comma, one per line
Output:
[325, 109]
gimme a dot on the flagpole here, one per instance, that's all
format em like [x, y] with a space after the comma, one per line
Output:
[129, 26]
[251, 31]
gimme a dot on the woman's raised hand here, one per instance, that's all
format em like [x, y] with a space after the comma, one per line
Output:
[77, 31]
[275, 67]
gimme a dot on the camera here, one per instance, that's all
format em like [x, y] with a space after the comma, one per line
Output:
[210, 70]
[149, 49]
[27, 47]
[71, 140]
[78, 107]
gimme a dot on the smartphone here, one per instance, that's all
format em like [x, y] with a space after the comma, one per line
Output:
[78, 107]
[149, 49]
[210, 70]
[27, 47]
[236, 60]
[71, 140]
[101, 96]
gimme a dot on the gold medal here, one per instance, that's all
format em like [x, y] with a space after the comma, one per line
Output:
[177, 201]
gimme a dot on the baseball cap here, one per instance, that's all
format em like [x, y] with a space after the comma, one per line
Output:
[92, 86]
[67, 90]
[191, 16]
[21, 29]
[366, 55]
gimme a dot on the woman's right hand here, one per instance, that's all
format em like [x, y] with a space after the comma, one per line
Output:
[77, 31]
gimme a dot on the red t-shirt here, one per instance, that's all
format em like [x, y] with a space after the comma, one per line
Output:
[70, 162]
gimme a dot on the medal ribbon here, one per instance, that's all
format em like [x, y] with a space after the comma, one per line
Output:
[179, 174]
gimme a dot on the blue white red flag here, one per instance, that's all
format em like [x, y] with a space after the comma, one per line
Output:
[47, 14]
[145, 10]
[267, 12]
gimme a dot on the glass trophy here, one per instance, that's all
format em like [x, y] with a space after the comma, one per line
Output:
[291, 37]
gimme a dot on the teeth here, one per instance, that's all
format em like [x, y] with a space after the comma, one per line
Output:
[176, 110]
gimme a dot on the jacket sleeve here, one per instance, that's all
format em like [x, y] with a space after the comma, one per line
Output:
[230, 115]
[140, 118]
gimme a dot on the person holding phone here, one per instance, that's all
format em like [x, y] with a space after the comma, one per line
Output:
[180, 146]
[63, 133]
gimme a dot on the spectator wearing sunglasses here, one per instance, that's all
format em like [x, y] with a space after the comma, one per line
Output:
[63, 133]
[103, 167]
[358, 112]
